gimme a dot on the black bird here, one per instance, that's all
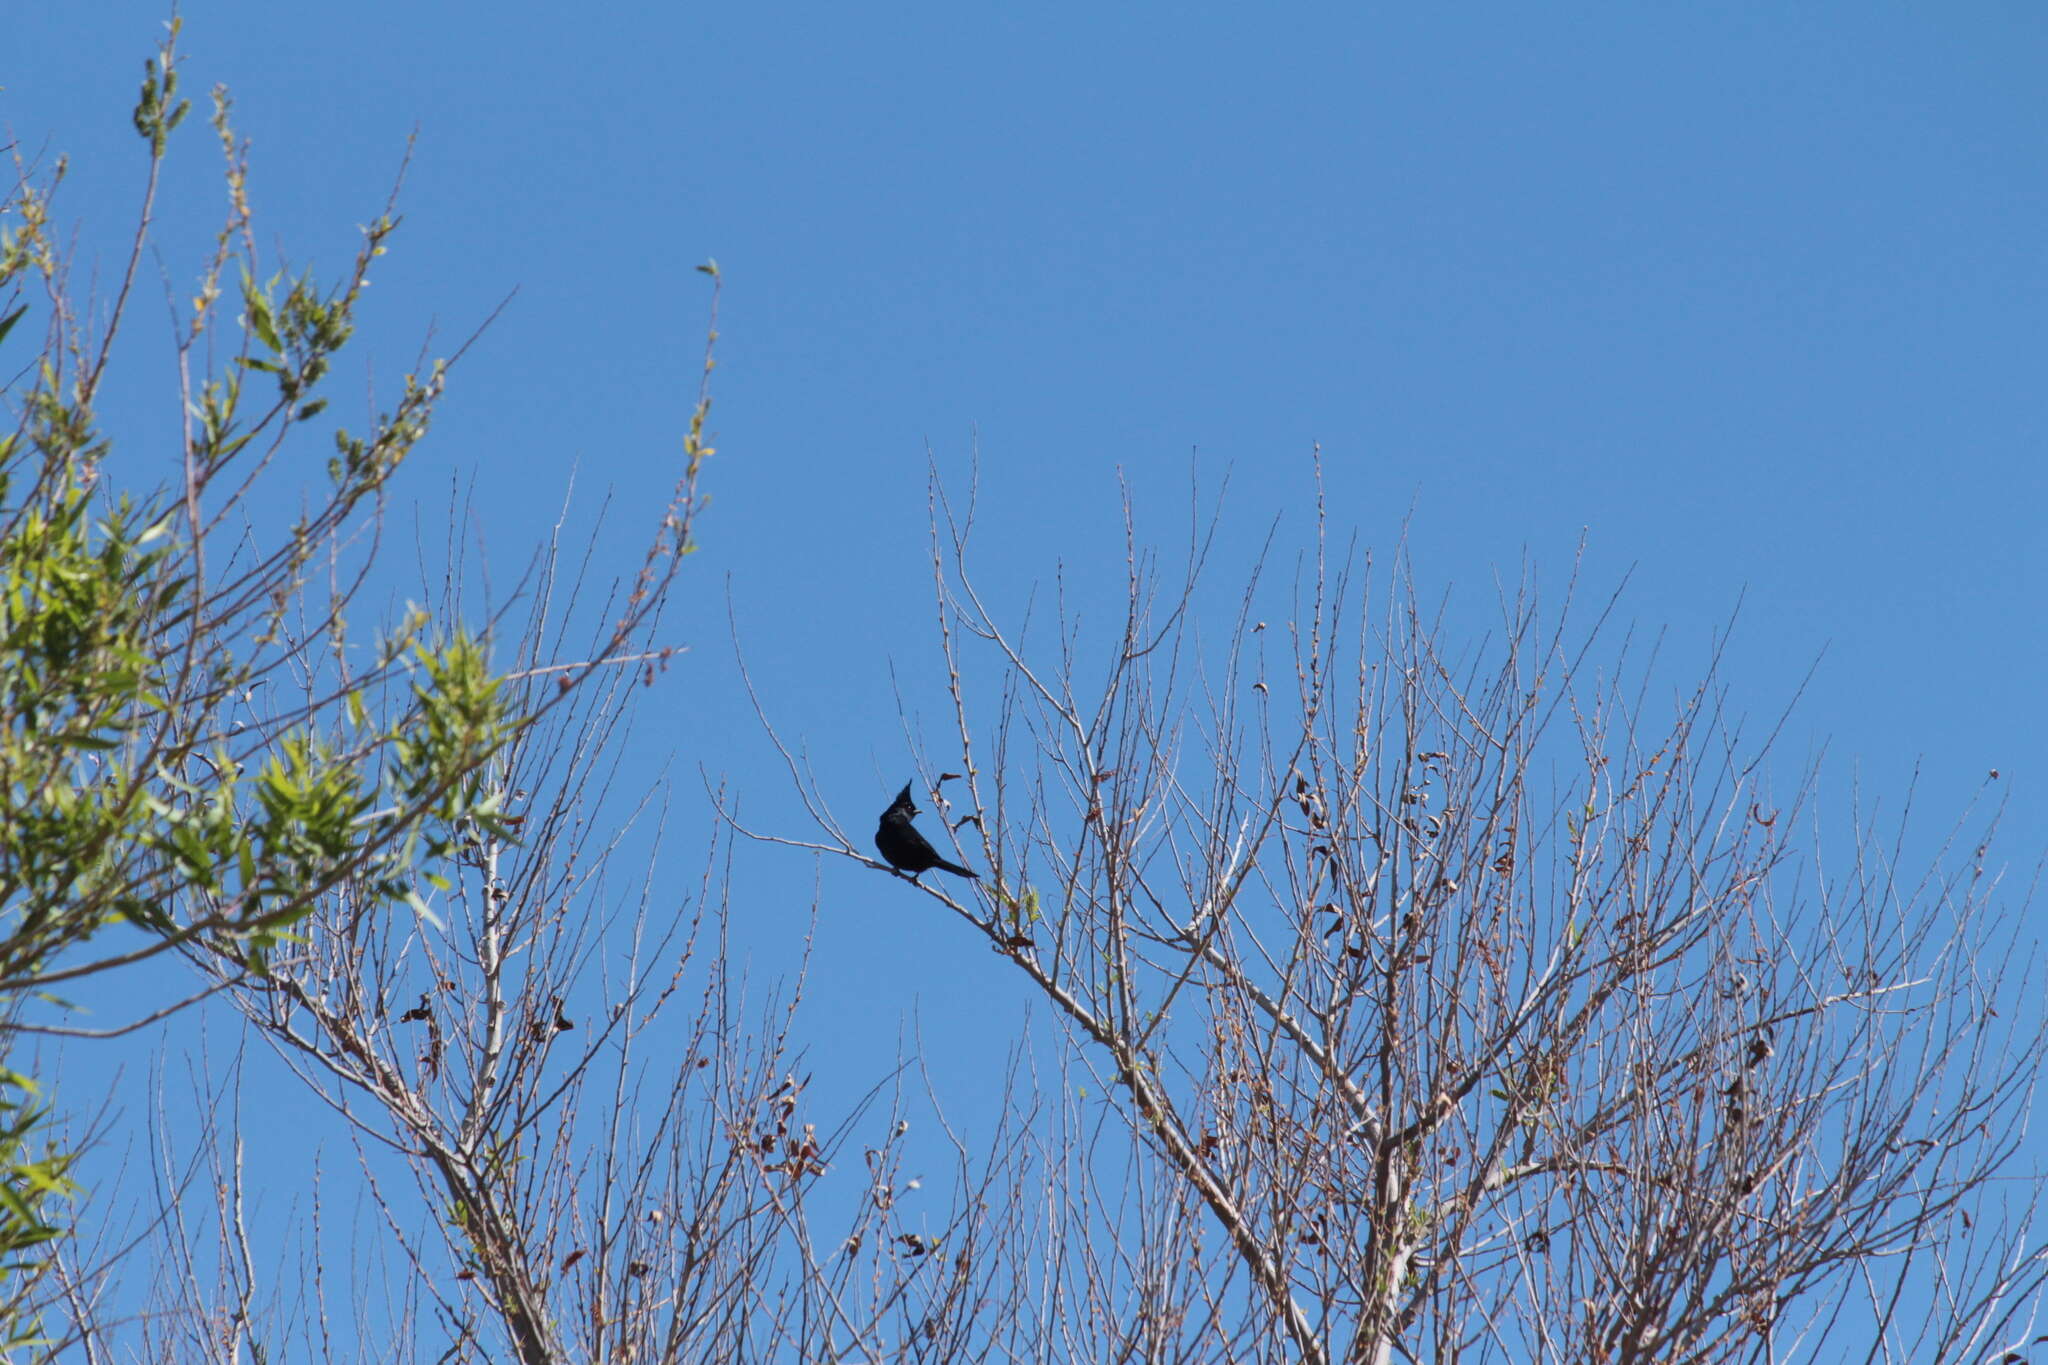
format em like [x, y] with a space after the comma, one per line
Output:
[899, 843]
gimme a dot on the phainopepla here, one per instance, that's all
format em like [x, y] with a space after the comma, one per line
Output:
[903, 847]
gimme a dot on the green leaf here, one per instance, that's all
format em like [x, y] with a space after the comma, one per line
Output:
[256, 311]
[419, 907]
[7, 323]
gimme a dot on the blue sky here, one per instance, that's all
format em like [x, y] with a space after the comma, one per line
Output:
[1749, 295]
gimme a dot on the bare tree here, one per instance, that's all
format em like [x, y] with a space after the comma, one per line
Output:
[583, 1138]
[1474, 1001]
[1456, 1001]
[402, 864]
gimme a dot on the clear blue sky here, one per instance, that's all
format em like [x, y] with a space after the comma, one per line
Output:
[1752, 294]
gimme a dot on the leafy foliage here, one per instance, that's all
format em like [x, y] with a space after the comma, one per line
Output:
[157, 794]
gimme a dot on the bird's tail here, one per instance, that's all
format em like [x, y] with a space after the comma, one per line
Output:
[957, 870]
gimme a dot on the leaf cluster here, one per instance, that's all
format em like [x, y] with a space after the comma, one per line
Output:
[195, 748]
